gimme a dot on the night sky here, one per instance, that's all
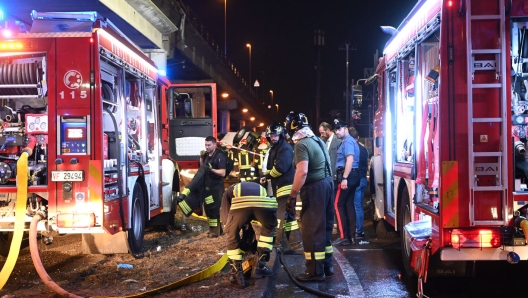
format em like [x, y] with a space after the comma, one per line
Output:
[282, 37]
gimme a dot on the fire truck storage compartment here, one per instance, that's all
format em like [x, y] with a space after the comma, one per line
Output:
[22, 76]
[519, 113]
[23, 115]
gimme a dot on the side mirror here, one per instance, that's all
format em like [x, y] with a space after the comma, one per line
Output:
[357, 92]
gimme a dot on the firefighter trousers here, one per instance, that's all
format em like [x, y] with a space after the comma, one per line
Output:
[317, 216]
[287, 225]
[238, 219]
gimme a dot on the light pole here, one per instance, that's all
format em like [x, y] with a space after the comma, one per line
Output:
[225, 27]
[271, 91]
[249, 47]
[277, 105]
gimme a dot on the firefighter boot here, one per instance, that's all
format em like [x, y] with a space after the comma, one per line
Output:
[237, 274]
[259, 269]
[213, 232]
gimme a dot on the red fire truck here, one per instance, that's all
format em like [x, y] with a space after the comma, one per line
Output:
[90, 133]
[449, 171]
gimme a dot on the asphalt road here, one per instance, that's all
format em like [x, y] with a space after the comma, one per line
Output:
[375, 269]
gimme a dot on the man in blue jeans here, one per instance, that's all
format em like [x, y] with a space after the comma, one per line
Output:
[360, 190]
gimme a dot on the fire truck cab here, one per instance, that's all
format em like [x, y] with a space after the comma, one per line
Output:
[449, 171]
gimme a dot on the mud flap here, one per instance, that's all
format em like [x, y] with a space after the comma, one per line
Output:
[421, 252]
[105, 243]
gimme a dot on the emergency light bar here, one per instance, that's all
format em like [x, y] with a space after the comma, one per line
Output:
[1, 15]
[85, 16]
[11, 45]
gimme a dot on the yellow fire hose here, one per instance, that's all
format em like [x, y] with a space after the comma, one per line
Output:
[20, 214]
[188, 280]
[20, 209]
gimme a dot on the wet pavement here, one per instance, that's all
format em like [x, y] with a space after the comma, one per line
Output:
[375, 269]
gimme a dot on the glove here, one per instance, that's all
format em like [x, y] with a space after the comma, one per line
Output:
[290, 205]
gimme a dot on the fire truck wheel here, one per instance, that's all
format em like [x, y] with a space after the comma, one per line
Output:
[136, 232]
[404, 217]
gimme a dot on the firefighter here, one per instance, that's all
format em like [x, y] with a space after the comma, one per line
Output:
[246, 201]
[245, 162]
[280, 171]
[207, 184]
[313, 180]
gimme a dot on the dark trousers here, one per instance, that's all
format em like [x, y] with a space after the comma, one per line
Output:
[345, 209]
[212, 205]
[317, 216]
[239, 218]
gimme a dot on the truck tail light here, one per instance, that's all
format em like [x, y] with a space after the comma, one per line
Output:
[76, 220]
[479, 238]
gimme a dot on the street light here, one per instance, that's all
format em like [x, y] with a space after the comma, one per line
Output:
[271, 91]
[225, 27]
[225, 95]
[277, 105]
[249, 46]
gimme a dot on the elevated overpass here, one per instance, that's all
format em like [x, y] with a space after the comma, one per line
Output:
[173, 37]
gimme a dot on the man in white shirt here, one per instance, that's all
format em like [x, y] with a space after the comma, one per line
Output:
[332, 143]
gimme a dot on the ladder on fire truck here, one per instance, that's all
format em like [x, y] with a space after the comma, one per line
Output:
[499, 86]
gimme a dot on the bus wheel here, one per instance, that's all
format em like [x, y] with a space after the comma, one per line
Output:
[5, 243]
[136, 233]
[405, 218]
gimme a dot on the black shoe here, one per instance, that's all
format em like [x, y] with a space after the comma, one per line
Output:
[360, 235]
[345, 242]
[329, 272]
[338, 241]
[306, 277]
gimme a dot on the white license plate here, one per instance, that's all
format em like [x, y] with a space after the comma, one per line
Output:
[57, 176]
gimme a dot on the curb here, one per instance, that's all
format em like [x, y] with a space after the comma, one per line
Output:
[263, 286]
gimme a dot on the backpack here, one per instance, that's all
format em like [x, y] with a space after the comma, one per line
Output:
[230, 164]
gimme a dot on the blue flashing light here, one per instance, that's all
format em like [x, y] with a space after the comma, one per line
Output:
[1, 15]
[162, 72]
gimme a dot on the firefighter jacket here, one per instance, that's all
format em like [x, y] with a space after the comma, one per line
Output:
[279, 167]
[245, 195]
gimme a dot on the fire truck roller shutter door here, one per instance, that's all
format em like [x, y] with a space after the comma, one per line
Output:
[136, 233]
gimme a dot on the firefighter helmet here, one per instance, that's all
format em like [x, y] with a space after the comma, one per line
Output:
[275, 129]
[295, 121]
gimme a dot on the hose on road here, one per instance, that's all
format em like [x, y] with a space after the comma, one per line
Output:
[33, 248]
[298, 284]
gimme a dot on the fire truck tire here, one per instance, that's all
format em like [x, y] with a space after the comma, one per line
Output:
[136, 233]
[404, 217]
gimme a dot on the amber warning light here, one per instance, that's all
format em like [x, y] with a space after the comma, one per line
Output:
[479, 238]
[10, 45]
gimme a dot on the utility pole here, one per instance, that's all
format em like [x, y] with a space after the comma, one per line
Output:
[319, 43]
[347, 90]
